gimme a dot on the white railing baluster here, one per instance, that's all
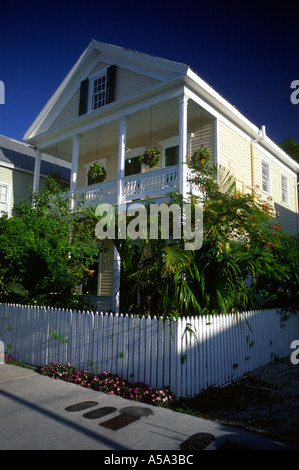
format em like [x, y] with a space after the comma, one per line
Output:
[152, 183]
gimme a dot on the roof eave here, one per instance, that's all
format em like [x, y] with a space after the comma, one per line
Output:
[239, 119]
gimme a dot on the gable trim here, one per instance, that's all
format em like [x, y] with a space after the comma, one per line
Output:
[96, 51]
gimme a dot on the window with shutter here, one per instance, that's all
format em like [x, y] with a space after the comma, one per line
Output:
[97, 91]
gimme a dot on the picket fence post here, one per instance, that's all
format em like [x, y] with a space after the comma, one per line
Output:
[2, 353]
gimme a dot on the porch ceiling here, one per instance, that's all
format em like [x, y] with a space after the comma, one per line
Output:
[143, 122]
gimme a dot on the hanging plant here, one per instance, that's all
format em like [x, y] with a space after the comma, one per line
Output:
[150, 158]
[96, 173]
[201, 156]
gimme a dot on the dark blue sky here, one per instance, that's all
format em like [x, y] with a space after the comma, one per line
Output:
[246, 50]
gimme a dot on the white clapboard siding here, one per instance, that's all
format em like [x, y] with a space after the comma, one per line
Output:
[187, 355]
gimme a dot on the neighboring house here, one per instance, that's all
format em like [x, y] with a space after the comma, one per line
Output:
[115, 103]
[17, 166]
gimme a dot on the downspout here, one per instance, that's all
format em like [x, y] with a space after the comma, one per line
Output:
[297, 202]
[262, 135]
[216, 145]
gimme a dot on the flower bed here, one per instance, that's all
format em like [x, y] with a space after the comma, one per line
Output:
[109, 383]
[8, 359]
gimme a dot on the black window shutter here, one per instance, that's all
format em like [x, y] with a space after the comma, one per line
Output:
[111, 80]
[83, 97]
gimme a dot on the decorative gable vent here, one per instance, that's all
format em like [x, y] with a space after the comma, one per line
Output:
[109, 91]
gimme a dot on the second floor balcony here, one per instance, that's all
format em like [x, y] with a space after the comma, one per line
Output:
[117, 140]
[152, 184]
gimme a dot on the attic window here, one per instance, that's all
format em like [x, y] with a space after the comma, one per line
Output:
[97, 91]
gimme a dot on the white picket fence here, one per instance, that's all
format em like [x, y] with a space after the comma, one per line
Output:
[187, 355]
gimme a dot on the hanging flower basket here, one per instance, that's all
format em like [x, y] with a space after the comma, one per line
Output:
[150, 158]
[96, 173]
[201, 156]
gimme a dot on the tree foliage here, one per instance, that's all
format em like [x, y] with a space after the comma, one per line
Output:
[242, 259]
[45, 250]
[291, 147]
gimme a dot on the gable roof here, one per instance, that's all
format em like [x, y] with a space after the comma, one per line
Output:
[166, 72]
[155, 67]
[18, 155]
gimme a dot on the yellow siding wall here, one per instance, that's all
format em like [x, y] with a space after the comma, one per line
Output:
[286, 213]
[234, 154]
[5, 175]
[204, 135]
[20, 183]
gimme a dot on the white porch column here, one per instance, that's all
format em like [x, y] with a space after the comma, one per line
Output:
[37, 165]
[116, 280]
[74, 169]
[121, 157]
[75, 160]
[183, 104]
[120, 176]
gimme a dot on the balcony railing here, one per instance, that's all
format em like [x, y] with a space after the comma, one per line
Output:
[99, 193]
[152, 184]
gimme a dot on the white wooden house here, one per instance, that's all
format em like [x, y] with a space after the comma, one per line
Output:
[115, 103]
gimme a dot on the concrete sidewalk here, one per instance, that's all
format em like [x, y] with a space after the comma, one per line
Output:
[36, 413]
